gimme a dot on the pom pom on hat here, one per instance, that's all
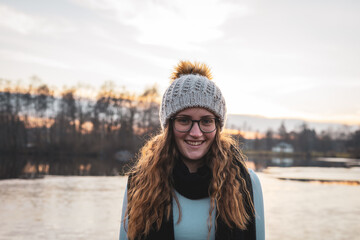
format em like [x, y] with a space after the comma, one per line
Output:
[191, 87]
[187, 67]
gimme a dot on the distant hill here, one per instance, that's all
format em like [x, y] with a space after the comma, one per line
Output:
[252, 123]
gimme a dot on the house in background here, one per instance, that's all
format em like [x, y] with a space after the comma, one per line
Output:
[283, 147]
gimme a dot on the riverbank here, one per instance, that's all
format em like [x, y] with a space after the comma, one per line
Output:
[270, 154]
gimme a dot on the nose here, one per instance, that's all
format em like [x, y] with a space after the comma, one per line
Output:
[195, 130]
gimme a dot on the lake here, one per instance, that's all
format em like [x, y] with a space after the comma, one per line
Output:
[74, 207]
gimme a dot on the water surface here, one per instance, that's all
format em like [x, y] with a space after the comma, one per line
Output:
[57, 207]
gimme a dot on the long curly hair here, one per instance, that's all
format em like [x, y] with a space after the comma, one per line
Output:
[151, 187]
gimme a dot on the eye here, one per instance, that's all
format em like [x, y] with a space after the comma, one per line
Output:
[183, 120]
[207, 121]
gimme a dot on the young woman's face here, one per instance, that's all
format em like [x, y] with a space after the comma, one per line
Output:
[194, 144]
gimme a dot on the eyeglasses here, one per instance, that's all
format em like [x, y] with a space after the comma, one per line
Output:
[185, 124]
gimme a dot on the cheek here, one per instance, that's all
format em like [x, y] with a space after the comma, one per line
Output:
[178, 137]
[211, 137]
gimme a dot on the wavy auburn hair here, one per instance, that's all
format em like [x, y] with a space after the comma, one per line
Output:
[151, 187]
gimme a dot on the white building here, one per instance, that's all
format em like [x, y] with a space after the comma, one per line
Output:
[283, 147]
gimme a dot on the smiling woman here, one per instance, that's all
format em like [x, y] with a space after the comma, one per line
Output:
[191, 139]
[191, 181]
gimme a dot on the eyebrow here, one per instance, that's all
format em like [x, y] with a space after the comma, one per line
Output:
[184, 115]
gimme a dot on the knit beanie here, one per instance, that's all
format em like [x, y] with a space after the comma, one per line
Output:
[191, 86]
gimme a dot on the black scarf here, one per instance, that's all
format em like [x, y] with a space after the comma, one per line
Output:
[191, 185]
[195, 186]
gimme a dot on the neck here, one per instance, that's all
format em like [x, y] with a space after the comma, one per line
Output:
[193, 165]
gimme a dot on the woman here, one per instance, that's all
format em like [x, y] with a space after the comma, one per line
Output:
[191, 181]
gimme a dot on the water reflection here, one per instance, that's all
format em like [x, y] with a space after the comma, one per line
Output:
[39, 166]
[283, 162]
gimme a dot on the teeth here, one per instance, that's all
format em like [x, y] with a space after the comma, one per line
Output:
[194, 143]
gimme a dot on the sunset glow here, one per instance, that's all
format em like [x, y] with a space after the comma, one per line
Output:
[274, 59]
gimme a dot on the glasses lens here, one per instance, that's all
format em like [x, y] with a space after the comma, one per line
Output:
[207, 124]
[183, 124]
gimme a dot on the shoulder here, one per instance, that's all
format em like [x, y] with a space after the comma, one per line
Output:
[255, 181]
[131, 176]
[259, 205]
[256, 187]
[253, 175]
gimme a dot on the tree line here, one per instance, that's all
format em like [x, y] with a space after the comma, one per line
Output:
[34, 118]
[37, 121]
[327, 143]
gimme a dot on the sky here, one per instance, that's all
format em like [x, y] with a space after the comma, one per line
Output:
[278, 59]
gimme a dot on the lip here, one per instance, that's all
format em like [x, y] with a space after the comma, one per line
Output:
[194, 143]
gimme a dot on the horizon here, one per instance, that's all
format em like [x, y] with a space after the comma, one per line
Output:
[299, 119]
[283, 59]
[251, 125]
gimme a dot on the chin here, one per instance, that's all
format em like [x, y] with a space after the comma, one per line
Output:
[193, 156]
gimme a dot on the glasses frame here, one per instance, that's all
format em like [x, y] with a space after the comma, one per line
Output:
[192, 124]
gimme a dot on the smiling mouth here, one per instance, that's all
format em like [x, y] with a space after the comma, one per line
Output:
[194, 143]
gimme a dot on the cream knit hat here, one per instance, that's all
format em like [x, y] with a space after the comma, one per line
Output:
[192, 87]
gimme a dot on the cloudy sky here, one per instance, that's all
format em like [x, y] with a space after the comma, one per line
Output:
[281, 58]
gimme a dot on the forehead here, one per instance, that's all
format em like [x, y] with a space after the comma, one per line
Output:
[195, 112]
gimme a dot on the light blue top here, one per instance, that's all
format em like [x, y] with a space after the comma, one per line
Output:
[194, 217]
[193, 224]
